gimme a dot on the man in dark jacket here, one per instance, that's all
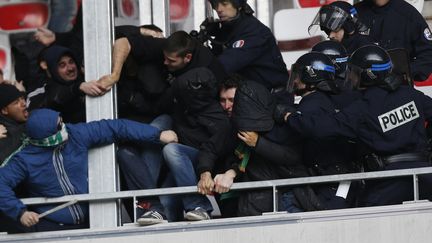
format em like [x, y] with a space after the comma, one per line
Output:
[266, 151]
[54, 161]
[13, 117]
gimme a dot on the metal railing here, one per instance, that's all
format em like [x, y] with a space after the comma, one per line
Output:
[274, 184]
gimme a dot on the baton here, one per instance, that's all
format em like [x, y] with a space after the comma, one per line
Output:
[59, 207]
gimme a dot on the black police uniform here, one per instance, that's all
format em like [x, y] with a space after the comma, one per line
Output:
[250, 50]
[400, 25]
[387, 123]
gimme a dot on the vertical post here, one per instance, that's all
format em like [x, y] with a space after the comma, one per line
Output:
[98, 39]
[145, 12]
[199, 13]
[275, 199]
[263, 12]
[161, 15]
[416, 188]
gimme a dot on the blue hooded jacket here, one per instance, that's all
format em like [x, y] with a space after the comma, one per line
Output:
[41, 173]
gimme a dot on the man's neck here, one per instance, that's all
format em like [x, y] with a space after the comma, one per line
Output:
[381, 3]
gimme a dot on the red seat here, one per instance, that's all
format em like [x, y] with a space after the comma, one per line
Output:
[313, 3]
[179, 10]
[2, 59]
[21, 16]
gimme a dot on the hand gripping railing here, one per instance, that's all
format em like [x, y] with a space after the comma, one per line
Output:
[274, 184]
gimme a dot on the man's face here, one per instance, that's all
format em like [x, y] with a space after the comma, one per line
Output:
[337, 35]
[175, 62]
[16, 110]
[226, 99]
[225, 10]
[67, 69]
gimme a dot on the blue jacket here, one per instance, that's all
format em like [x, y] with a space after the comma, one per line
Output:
[34, 166]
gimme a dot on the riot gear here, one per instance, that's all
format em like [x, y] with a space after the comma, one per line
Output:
[369, 66]
[315, 70]
[335, 16]
[336, 52]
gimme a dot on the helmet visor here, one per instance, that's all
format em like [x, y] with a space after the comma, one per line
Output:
[353, 76]
[294, 77]
[329, 18]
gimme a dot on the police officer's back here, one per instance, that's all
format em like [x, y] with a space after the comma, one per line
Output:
[397, 24]
[388, 121]
[313, 77]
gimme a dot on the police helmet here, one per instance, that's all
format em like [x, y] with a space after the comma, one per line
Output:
[335, 16]
[314, 69]
[336, 52]
[369, 66]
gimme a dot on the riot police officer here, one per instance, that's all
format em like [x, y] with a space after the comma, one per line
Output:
[339, 56]
[312, 77]
[246, 46]
[388, 122]
[339, 20]
[397, 24]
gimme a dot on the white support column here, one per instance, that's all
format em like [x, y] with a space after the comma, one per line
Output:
[264, 10]
[199, 12]
[145, 12]
[98, 39]
[161, 15]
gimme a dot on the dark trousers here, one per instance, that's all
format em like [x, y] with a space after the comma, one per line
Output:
[396, 190]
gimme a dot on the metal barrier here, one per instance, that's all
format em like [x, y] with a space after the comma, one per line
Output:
[274, 184]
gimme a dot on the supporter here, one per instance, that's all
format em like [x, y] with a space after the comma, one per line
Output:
[397, 24]
[13, 117]
[227, 92]
[340, 21]
[246, 46]
[204, 133]
[61, 150]
[388, 124]
[312, 78]
[265, 151]
[65, 87]
[3, 132]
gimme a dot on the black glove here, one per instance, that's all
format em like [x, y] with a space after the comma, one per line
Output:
[280, 111]
[210, 26]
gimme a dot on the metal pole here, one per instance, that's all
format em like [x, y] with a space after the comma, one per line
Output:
[416, 188]
[98, 39]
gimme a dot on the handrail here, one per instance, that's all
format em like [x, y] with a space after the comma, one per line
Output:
[237, 186]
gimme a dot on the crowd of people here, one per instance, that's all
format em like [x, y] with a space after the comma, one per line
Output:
[211, 115]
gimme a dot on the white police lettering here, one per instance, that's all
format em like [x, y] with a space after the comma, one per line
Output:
[238, 44]
[398, 116]
[427, 34]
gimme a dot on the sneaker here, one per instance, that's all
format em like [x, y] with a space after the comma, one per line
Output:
[197, 214]
[151, 217]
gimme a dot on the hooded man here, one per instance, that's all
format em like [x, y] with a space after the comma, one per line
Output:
[53, 162]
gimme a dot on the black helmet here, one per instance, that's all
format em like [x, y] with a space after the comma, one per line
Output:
[314, 69]
[336, 52]
[335, 16]
[369, 66]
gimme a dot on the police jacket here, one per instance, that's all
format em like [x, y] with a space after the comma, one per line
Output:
[35, 168]
[400, 25]
[250, 50]
[13, 140]
[386, 122]
[320, 153]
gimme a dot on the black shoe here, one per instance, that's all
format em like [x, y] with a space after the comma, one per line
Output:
[151, 217]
